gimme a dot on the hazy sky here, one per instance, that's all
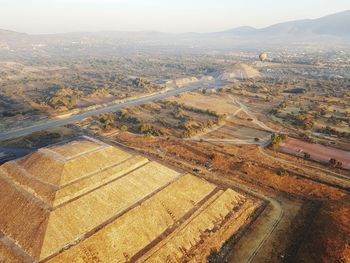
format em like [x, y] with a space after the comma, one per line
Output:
[54, 16]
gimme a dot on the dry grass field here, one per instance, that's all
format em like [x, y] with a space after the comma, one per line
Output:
[233, 129]
[111, 207]
[220, 103]
[238, 127]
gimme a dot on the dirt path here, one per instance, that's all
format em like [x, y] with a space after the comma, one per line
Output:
[268, 226]
[247, 248]
[246, 110]
[262, 142]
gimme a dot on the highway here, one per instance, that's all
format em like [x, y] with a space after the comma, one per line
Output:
[56, 122]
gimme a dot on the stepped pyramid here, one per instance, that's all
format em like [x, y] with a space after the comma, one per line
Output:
[86, 201]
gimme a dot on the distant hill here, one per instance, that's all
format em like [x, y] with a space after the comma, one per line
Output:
[329, 32]
[336, 25]
[238, 31]
[9, 33]
[333, 25]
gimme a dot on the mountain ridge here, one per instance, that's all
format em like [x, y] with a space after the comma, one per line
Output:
[341, 19]
[329, 32]
[337, 24]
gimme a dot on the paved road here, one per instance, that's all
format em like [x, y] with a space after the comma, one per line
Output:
[52, 123]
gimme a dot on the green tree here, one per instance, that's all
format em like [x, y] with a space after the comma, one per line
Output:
[124, 128]
[107, 121]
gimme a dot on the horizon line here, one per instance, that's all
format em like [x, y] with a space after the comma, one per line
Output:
[170, 33]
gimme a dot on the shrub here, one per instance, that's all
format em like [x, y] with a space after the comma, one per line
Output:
[146, 128]
[333, 162]
[124, 128]
[107, 121]
[339, 165]
[276, 139]
[307, 156]
[281, 172]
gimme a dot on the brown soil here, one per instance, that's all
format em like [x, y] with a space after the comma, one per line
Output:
[220, 103]
[329, 232]
[329, 235]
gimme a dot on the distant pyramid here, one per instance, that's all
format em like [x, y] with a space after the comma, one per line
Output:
[240, 72]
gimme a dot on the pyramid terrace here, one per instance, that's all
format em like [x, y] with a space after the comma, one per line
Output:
[87, 201]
